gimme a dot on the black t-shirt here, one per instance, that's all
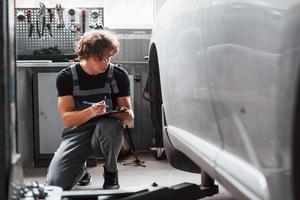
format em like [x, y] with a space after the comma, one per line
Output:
[64, 81]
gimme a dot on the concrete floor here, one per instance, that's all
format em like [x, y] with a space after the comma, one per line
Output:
[131, 177]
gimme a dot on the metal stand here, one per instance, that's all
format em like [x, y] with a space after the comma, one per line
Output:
[208, 186]
[136, 161]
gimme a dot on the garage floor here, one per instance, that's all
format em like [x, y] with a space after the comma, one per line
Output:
[156, 171]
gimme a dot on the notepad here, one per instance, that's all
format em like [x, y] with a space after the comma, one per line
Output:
[113, 112]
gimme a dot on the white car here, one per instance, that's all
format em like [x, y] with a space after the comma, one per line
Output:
[224, 83]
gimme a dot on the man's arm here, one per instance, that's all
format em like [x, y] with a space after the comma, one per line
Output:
[71, 118]
[124, 103]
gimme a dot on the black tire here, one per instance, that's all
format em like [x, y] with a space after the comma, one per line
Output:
[156, 96]
[296, 147]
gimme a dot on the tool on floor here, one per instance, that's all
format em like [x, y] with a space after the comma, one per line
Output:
[137, 161]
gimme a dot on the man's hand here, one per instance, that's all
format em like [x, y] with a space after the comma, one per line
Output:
[98, 109]
[71, 117]
[125, 117]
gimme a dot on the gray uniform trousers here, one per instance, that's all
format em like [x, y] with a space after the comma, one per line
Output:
[105, 139]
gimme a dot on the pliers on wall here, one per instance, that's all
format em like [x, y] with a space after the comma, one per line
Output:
[41, 22]
[59, 12]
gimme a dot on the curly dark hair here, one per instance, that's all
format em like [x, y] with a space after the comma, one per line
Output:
[97, 43]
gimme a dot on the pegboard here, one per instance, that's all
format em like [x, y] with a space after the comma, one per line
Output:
[62, 37]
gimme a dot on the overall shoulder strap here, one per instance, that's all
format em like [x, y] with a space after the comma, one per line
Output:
[110, 79]
[110, 73]
[74, 74]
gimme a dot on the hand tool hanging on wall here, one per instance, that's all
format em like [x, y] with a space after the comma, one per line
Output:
[29, 21]
[51, 14]
[59, 13]
[95, 20]
[73, 26]
[95, 14]
[37, 28]
[83, 20]
[20, 16]
[41, 19]
[49, 29]
[71, 14]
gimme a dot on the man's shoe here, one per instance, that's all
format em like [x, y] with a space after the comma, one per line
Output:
[86, 179]
[110, 180]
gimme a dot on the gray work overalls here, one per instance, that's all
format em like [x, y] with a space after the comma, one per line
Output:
[97, 137]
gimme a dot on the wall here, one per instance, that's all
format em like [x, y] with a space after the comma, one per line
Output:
[117, 13]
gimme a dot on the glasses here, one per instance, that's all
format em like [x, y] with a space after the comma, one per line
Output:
[104, 60]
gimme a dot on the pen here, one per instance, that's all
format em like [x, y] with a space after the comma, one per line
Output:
[91, 103]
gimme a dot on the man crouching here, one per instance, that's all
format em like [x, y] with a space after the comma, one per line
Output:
[87, 91]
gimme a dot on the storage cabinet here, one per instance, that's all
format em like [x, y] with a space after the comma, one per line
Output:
[47, 122]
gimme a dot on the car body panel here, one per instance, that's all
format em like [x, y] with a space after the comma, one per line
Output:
[188, 104]
[229, 74]
[191, 109]
[253, 75]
